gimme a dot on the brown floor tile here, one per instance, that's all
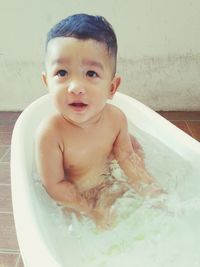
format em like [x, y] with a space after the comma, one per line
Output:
[15, 115]
[8, 260]
[181, 115]
[3, 150]
[6, 116]
[183, 126]
[5, 198]
[8, 240]
[5, 138]
[6, 127]
[195, 129]
[9, 115]
[4, 173]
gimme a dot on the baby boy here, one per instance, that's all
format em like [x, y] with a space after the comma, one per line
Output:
[74, 145]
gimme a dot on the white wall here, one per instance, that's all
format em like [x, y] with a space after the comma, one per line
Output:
[159, 48]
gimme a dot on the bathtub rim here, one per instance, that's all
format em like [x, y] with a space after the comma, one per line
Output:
[161, 128]
[21, 200]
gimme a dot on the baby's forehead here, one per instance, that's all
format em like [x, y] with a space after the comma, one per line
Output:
[60, 49]
[62, 42]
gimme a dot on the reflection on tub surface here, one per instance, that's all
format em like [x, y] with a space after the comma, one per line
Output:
[161, 232]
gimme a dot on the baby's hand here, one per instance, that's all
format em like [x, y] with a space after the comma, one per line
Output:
[103, 218]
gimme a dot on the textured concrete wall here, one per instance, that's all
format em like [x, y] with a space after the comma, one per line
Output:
[159, 48]
[163, 83]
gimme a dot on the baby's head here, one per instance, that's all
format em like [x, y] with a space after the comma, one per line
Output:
[81, 53]
[85, 27]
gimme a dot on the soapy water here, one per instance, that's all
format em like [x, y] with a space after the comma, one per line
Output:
[162, 231]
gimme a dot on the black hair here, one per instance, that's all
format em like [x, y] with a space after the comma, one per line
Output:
[84, 26]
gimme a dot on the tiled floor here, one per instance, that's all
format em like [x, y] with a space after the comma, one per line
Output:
[9, 251]
[189, 122]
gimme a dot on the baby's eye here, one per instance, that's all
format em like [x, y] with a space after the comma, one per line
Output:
[92, 74]
[61, 73]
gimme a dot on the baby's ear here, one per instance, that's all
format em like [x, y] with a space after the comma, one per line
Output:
[114, 86]
[44, 78]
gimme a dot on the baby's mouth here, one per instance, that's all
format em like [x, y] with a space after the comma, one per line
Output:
[78, 106]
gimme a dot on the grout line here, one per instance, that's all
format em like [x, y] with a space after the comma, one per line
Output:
[4, 162]
[8, 251]
[193, 120]
[4, 147]
[189, 129]
[2, 157]
[17, 261]
[6, 212]
[5, 154]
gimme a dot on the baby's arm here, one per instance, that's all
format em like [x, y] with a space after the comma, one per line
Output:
[49, 159]
[132, 164]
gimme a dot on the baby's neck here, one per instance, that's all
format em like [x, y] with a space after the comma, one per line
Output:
[89, 123]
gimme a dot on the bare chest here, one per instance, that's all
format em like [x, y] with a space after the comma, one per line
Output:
[87, 153]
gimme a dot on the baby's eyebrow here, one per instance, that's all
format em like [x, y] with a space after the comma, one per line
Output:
[60, 61]
[93, 63]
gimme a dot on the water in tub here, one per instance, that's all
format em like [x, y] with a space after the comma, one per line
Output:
[143, 234]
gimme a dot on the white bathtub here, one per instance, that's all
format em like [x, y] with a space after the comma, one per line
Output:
[34, 249]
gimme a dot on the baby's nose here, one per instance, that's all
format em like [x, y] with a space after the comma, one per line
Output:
[76, 88]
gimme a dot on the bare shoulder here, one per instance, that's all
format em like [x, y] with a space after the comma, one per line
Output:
[49, 130]
[116, 114]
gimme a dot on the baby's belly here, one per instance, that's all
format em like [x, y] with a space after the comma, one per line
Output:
[89, 178]
[88, 182]
[100, 187]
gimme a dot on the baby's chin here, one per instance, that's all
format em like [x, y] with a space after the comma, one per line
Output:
[77, 120]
